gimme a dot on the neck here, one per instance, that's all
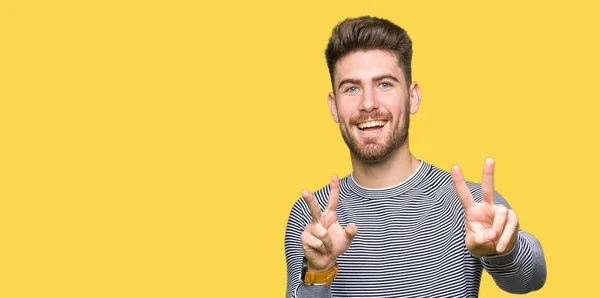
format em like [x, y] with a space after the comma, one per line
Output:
[400, 165]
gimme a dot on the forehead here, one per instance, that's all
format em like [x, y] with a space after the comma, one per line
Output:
[364, 65]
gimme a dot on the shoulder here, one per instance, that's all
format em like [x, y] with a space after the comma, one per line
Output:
[441, 180]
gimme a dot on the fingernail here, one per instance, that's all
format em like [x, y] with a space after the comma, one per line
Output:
[500, 248]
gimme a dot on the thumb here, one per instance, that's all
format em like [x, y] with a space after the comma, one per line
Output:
[350, 232]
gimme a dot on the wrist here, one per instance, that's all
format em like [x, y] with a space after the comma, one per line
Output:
[318, 277]
[311, 268]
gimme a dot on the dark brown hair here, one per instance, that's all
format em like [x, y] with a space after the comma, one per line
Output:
[369, 33]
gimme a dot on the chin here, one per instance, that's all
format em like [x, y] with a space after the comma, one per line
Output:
[376, 149]
[373, 153]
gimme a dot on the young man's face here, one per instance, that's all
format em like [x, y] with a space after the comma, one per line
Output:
[371, 102]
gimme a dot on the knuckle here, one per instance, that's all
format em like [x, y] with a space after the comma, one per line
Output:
[320, 232]
[305, 247]
[305, 237]
[503, 210]
[310, 227]
[318, 244]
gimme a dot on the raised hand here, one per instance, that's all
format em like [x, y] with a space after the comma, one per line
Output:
[324, 239]
[491, 229]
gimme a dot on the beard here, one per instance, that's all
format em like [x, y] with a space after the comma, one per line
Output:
[370, 151]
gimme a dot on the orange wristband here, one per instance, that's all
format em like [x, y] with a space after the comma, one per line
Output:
[325, 277]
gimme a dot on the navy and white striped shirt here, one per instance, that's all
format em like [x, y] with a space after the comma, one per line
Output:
[410, 243]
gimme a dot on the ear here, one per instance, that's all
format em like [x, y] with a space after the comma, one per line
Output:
[415, 97]
[333, 107]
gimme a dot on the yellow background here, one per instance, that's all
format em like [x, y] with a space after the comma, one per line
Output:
[155, 148]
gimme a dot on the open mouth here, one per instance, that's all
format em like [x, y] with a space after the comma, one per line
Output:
[371, 125]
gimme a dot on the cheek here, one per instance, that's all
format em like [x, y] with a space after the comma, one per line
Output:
[399, 113]
[345, 112]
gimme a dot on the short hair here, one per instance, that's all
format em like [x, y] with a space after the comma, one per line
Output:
[368, 33]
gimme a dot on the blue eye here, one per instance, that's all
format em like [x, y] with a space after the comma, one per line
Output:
[351, 89]
[385, 85]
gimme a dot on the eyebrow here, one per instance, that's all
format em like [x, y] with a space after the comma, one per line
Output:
[387, 76]
[375, 79]
[351, 81]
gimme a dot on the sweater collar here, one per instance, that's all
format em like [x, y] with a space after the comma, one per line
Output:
[392, 191]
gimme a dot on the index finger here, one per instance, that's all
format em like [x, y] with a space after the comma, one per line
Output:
[334, 193]
[313, 205]
[461, 188]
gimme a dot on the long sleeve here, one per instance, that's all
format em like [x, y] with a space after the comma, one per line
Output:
[299, 218]
[522, 270]
[411, 244]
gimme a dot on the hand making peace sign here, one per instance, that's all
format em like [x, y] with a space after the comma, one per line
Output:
[324, 239]
[491, 229]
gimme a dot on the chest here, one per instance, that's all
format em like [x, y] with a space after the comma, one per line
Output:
[410, 245]
[408, 232]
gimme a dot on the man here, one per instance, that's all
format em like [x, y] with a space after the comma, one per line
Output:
[398, 226]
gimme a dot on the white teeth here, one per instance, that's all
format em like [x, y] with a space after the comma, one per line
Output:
[371, 124]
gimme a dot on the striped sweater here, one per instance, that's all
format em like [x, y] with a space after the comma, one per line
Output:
[410, 243]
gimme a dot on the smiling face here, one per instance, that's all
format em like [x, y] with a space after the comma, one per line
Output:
[371, 103]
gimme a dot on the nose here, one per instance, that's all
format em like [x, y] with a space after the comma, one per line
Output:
[369, 100]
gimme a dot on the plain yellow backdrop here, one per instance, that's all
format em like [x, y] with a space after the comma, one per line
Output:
[155, 148]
